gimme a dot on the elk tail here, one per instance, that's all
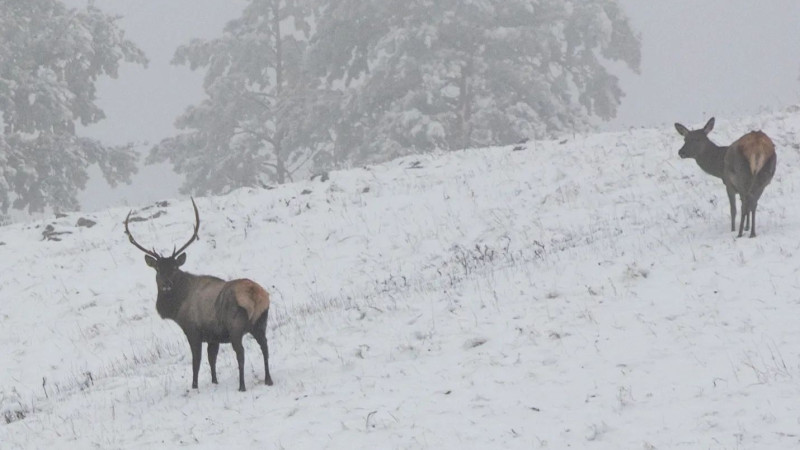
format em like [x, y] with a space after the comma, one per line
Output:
[755, 164]
[757, 160]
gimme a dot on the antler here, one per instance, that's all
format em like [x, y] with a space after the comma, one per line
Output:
[133, 241]
[196, 228]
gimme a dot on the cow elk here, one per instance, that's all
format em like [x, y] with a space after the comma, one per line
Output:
[746, 167]
[207, 308]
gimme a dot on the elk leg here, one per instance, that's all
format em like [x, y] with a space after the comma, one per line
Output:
[745, 212]
[732, 201]
[747, 216]
[753, 212]
[197, 350]
[236, 341]
[260, 333]
[757, 191]
[746, 207]
[213, 349]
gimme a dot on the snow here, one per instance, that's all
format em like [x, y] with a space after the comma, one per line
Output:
[584, 293]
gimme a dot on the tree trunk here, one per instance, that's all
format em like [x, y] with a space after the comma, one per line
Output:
[465, 106]
[276, 26]
[280, 162]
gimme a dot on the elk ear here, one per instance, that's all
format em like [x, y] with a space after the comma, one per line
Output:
[150, 261]
[709, 126]
[181, 259]
[682, 130]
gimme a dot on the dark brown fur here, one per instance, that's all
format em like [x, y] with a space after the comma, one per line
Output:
[209, 309]
[746, 167]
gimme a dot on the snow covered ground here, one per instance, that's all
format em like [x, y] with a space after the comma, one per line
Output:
[573, 294]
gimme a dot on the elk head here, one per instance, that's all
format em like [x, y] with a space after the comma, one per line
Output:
[695, 142]
[167, 267]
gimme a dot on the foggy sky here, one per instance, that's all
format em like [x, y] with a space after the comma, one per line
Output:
[711, 57]
[716, 57]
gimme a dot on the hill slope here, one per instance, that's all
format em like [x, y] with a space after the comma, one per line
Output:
[582, 294]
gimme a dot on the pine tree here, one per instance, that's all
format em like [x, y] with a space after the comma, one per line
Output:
[452, 74]
[50, 59]
[251, 128]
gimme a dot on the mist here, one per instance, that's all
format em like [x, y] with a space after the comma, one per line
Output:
[716, 58]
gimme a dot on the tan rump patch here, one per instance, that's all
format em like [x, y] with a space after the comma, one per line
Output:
[756, 147]
[252, 297]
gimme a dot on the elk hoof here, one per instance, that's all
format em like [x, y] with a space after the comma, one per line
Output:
[268, 381]
[242, 389]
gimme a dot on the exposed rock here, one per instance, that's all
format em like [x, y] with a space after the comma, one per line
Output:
[84, 222]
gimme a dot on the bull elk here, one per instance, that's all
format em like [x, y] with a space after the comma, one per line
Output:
[746, 167]
[207, 308]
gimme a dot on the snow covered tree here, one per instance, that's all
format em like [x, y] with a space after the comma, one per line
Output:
[50, 59]
[459, 73]
[251, 128]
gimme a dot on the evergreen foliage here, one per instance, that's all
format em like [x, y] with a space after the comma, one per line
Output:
[345, 82]
[51, 57]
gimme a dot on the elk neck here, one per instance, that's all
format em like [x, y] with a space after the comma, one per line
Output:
[712, 159]
[168, 303]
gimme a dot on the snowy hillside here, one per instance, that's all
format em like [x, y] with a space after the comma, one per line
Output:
[577, 294]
